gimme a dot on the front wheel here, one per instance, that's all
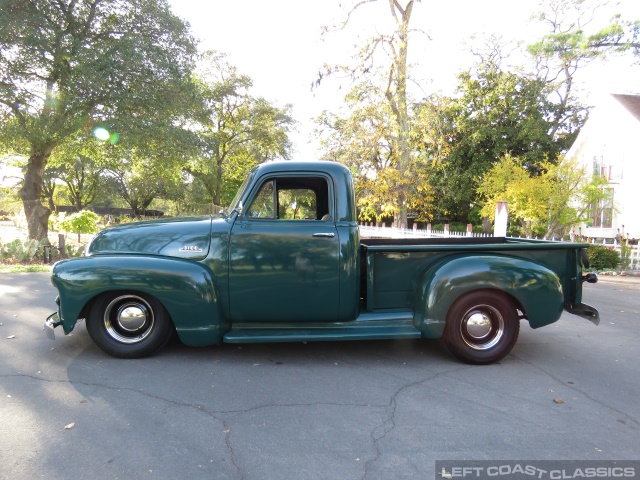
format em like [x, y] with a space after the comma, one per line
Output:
[129, 325]
[482, 327]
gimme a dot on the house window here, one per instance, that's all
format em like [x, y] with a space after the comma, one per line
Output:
[602, 211]
[604, 169]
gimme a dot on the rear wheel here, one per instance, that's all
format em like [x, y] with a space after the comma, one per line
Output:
[129, 325]
[482, 327]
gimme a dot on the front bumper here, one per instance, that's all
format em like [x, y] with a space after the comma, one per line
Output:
[50, 323]
[583, 310]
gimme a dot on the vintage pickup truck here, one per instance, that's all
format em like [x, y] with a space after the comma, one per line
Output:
[285, 263]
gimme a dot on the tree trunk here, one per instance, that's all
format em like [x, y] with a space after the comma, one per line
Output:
[30, 193]
[398, 103]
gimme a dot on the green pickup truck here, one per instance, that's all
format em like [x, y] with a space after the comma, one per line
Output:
[285, 263]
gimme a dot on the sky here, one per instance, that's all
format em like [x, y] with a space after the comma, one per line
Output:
[278, 43]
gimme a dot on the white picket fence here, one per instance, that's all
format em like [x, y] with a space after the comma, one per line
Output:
[367, 231]
[393, 232]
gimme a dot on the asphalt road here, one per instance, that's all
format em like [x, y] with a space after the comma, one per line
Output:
[351, 410]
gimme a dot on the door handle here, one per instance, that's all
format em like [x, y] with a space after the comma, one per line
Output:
[327, 235]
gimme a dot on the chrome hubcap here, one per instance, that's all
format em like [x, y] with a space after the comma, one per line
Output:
[482, 327]
[131, 318]
[128, 319]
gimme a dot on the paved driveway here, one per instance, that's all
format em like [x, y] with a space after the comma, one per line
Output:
[353, 410]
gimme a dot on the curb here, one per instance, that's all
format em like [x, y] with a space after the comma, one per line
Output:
[632, 279]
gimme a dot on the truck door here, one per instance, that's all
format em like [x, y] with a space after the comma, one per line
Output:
[284, 261]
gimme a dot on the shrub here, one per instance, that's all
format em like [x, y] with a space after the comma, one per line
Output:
[453, 227]
[81, 222]
[625, 256]
[54, 221]
[19, 251]
[602, 258]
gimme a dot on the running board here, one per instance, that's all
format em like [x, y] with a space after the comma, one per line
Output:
[327, 332]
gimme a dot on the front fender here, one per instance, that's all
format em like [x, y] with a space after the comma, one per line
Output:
[535, 287]
[187, 290]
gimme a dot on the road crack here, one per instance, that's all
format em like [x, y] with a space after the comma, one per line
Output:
[389, 424]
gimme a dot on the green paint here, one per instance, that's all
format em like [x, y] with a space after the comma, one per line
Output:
[295, 269]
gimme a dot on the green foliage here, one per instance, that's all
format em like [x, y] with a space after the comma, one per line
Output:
[138, 180]
[237, 130]
[78, 163]
[387, 92]
[21, 268]
[27, 252]
[69, 67]
[54, 221]
[9, 201]
[74, 251]
[497, 113]
[574, 40]
[124, 219]
[542, 205]
[532, 231]
[602, 258]
[362, 138]
[18, 251]
[453, 227]
[625, 256]
[81, 222]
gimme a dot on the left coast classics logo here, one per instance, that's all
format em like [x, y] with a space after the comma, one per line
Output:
[537, 469]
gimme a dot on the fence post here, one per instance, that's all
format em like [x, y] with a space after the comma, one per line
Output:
[61, 247]
[469, 230]
[446, 230]
[502, 218]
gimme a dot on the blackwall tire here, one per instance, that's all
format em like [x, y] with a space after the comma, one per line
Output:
[129, 324]
[482, 327]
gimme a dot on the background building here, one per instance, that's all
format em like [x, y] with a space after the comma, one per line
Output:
[609, 145]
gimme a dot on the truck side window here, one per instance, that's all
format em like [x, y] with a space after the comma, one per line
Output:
[263, 205]
[292, 198]
[297, 204]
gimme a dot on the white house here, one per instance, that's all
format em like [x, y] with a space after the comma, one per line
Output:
[609, 145]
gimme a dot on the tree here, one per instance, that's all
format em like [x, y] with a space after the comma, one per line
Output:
[544, 205]
[395, 45]
[497, 113]
[81, 222]
[568, 48]
[238, 130]
[70, 64]
[49, 187]
[363, 140]
[138, 179]
[79, 163]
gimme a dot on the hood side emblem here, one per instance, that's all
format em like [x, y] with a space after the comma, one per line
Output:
[190, 248]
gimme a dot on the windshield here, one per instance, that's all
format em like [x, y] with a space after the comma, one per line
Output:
[239, 194]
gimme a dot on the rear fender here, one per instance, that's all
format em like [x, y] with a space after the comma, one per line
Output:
[536, 289]
[187, 290]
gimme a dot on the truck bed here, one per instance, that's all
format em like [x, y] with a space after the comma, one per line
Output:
[390, 267]
[373, 241]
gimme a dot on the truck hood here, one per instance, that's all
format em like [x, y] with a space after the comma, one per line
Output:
[187, 238]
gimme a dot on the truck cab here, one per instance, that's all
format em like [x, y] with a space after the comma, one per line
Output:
[293, 246]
